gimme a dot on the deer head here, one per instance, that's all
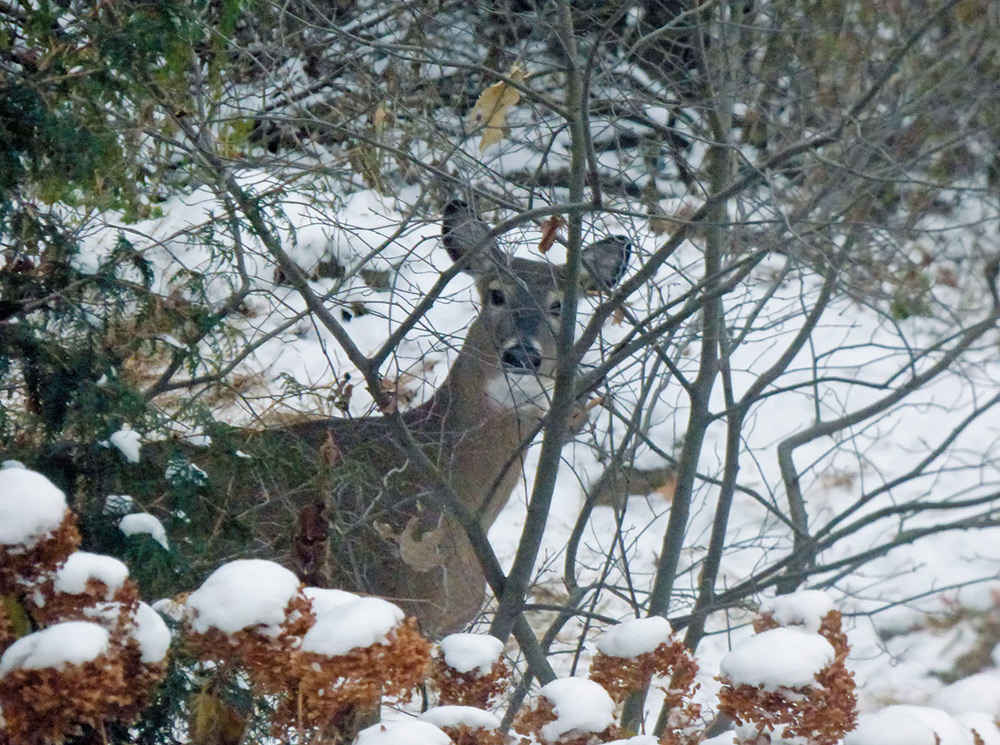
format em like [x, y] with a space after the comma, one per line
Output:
[514, 338]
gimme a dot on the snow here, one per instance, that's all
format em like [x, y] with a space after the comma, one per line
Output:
[467, 652]
[170, 608]
[142, 522]
[635, 637]
[118, 504]
[82, 566]
[402, 732]
[243, 594]
[806, 608]
[152, 634]
[128, 442]
[325, 601]
[637, 740]
[580, 705]
[456, 716]
[69, 643]
[909, 725]
[778, 658]
[726, 738]
[31, 507]
[984, 724]
[979, 692]
[887, 449]
[358, 623]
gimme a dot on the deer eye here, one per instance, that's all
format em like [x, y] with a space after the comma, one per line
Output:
[555, 307]
[497, 297]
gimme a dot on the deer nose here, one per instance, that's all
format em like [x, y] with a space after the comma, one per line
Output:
[522, 357]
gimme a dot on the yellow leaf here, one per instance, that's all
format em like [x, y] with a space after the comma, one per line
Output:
[379, 117]
[213, 722]
[493, 105]
[17, 618]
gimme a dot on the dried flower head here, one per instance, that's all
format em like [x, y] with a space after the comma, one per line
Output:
[821, 711]
[570, 711]
[632, 652]
[468, 670]
[331, 688]
[466, 725]
[21, 566]
[81, 588]
[56, 682]
[37, 531]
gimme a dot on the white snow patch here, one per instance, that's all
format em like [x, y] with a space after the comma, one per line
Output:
[11, 463]
[402, 732]
[468, 652]
[457, 716]
[806, 608]
[170, 608]
[909, 725]
[637, 740]
[635, 637]
[726, 738]
[984, 724]
[778, 658]
[243, 594]
[152, 634]
[143, 522]
[118, 504]
[325, 601]
[128, 442]
[199, 441]
[69, 643]
[359, 623]
[82, 566]
[580, 705]
[31, 507]
[172, 341]
[979, 692]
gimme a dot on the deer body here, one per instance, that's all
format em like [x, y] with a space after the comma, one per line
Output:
[366, 512]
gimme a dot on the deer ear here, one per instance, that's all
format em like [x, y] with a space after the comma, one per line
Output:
[467, 239]
[606, 261]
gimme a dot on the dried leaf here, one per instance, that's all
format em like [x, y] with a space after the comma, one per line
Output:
[493, 105]
[618, 317]
[550, 229]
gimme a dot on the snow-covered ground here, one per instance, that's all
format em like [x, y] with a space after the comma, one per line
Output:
[896, 655]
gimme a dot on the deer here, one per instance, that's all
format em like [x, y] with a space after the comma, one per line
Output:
[367, 518]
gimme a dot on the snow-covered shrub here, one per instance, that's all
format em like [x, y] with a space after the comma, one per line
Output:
[631, 653]
[98, 652]
[328, 656]
[570, 711]
[466, 725]
[469, 670]
[80, 584]
[37, 530]
[791, 681]
[351, 658]
[403, 732]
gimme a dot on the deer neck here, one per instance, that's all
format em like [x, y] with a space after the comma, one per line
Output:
[483, 425]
